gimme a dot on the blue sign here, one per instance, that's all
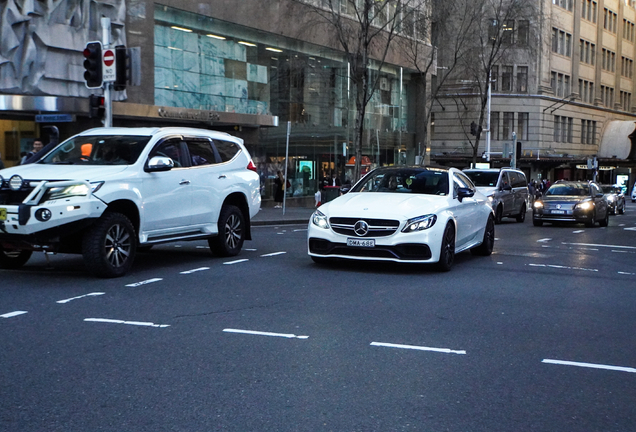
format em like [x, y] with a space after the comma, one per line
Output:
[54, 118]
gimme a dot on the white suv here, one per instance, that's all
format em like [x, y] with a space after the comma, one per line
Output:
[107, 192]
[506, 189]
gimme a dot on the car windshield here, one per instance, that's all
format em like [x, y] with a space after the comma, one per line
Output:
[428, 181]
[483, 178]
[611, 190]
[97, 150]
[568, 190]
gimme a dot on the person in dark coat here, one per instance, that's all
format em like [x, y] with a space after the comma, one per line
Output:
[279, 189]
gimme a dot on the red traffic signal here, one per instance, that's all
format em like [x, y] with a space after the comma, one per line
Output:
[93, 64]
[96, 108]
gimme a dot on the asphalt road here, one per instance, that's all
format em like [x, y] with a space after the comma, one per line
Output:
[537, 337]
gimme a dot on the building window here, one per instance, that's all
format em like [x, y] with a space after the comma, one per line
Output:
[494, 125]
[628, 30]
[609, 60]
[522, 126]
[587, 52]
[522, 79]
[508, 31]
[563, 129]
[609, 20]
[586, 91]
[561, 42]
[626, 100]
[588, 10]
[506, 79]
[607, 96]
[565, 4]
[626, 67]
[560, 84]
[588, 132]
[508, 125]
[523, 32]
[494, 78]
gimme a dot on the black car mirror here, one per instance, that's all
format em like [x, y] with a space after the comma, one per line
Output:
[507, 187]
[464, 193]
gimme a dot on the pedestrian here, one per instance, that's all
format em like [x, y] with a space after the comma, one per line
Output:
[37, 146]
[531, 190]
[279, 189]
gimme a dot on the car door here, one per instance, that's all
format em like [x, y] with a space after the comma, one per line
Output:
[506, 197]
[463, 210]
[600, 202]
[166, 195]
[208, 181]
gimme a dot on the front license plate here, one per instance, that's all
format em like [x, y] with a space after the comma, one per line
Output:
[3, 214]
[360, 243]
[558, 211]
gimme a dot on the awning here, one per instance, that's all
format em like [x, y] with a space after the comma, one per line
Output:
[618, 140]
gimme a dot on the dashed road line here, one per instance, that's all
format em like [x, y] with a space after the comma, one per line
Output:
[600, 245]
[235, 262]
[589, 365]
[79, 297]
[261, 333]
[420, 348]
[195, 270]
[13, 314]
[543, 240]
[562, 267]
[273, 254]
[136, 284]
[135, 323]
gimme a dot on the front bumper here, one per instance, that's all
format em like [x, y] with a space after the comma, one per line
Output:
[43, 220]
[573, 216]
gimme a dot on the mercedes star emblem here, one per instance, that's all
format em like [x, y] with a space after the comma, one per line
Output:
[361, 228]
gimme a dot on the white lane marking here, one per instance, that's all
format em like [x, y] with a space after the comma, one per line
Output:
[202, 247]
[79, 297]
[600, 245]
[578, 231]
[135, 323]
[562, 267]
[500, 263]
[273, 254]
[621, 224]
[630, 229]
[590, 365]
[420, 348]
[195, 270]
[626, 273]
[591, 249]
[147, 281]
[260, 333]
[177, 246]
[617, 251]
[280, 233]
[304, 229]
[236, 262]
[544, 240]
[251, 250]
[12, 314]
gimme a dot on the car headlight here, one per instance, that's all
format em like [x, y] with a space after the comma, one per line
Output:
[611, 198]
[15, 182]
[586, 205]
[62, 192]
[320, 220]
[420, 223]
[538, 204]
[491, 198]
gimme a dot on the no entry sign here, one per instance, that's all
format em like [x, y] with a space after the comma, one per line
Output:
[108, 70]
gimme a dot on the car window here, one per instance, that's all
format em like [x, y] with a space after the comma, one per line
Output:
[170, 148]
[408, 180]
[483, 178]
[201, 152]
[568, 190]
[505, 180]
[227, 149]
[97, 150]
[517, 179]
[465, 181]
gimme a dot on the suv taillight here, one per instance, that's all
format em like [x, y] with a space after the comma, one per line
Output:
[251, 166]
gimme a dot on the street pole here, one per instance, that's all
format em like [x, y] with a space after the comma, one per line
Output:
[108, 103]
[286, 157]
[488, 119]
[513, 160]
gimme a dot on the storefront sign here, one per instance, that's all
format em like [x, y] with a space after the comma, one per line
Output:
[601, 168]
[189, 114]
[54, 118]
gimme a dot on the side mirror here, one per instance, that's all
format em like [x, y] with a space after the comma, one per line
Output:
[507, 187]
[344, 190]
[464, 193]
[159, 163]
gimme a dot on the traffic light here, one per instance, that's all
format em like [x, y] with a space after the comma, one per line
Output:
[122, 62]
[473, 128]
[96, 107]
[93, 64]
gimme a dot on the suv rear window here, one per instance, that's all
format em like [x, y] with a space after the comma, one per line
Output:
[483, 178]
[227, 149]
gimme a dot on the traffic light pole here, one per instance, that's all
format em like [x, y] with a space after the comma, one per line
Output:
[108, 102]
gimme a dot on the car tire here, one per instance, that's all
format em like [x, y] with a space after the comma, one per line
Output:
[499, 214]
[537, 222]
[488, 242]
[231, 235]
[605, 221]
[591, 222]
[13, 258]
[447, 249]
[521, 217]
[109, 246]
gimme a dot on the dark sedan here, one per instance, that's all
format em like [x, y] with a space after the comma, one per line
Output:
[573, 202]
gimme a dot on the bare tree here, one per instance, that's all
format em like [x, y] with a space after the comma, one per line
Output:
[500, 30]
[366, 31]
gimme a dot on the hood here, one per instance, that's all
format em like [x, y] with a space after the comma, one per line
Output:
[383, 205]
[63, 172]
[487, 190]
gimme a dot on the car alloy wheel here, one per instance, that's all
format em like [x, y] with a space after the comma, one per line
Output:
[110, 245]
[488, 242]
[231, 235]
[447, 251]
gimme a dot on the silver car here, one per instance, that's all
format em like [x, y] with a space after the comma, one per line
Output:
[506, 189]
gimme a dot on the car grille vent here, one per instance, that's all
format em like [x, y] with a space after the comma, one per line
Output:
[377, 227]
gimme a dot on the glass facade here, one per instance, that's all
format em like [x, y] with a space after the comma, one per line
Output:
[207, 64]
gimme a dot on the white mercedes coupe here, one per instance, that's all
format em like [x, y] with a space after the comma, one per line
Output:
[404, 214]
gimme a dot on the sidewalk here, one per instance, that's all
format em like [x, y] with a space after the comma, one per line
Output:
[274, 216]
